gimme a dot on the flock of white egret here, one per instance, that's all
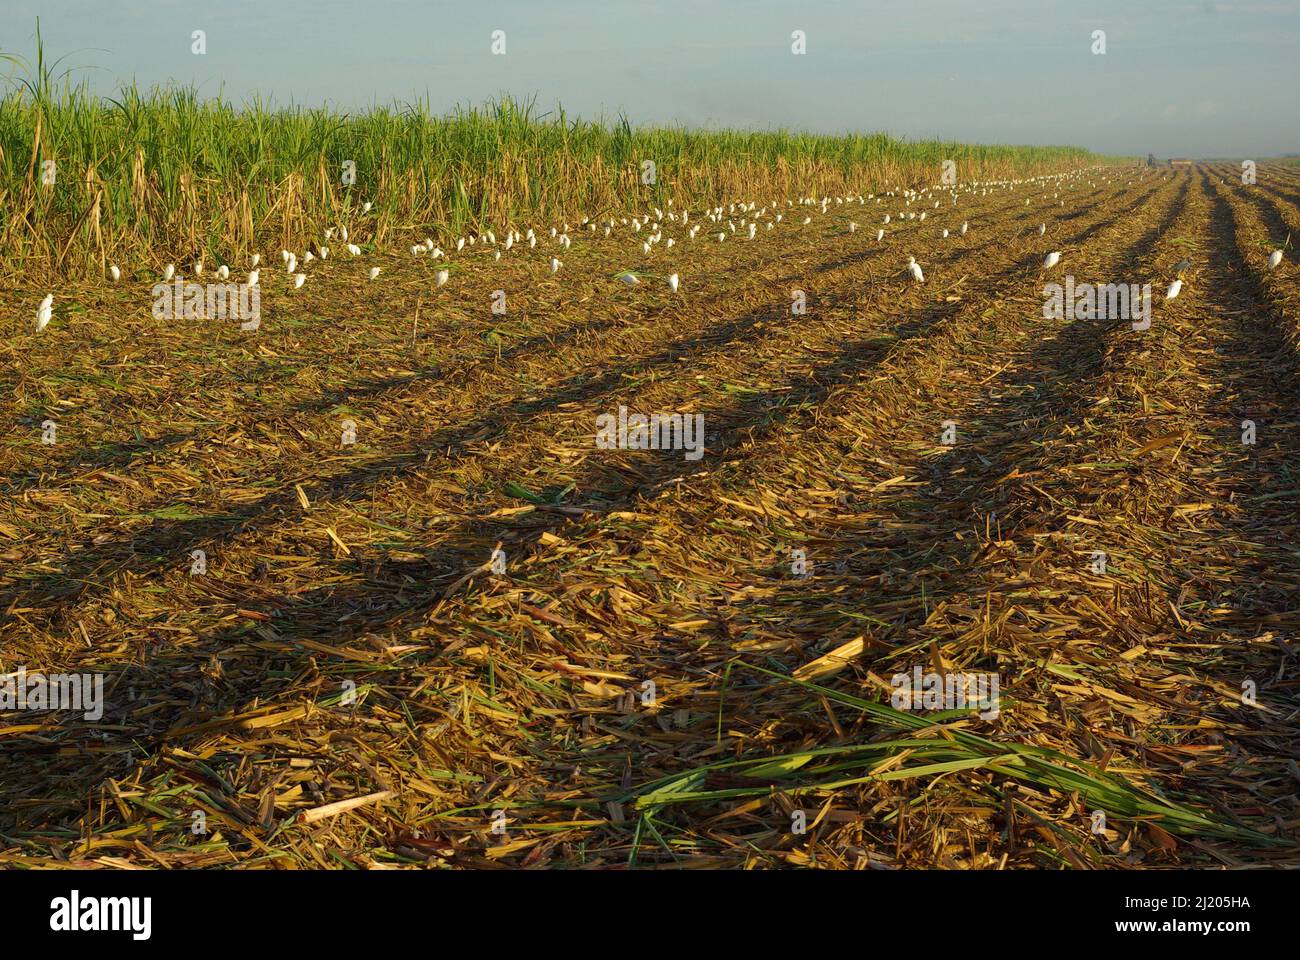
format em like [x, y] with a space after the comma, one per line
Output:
[739, 219]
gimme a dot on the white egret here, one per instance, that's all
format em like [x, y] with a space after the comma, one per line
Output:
[44, 312]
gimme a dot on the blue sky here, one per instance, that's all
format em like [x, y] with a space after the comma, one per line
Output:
[1194, 77]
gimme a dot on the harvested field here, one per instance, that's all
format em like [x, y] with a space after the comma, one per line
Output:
[676, 661]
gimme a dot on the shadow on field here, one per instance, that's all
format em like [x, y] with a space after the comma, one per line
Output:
[1283, 193]
[374, 604]
[1267, 206]
[317, 613]
[175, 538]
[384, 600]
[1244, 581]
[962, 488]
[1266, 476]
